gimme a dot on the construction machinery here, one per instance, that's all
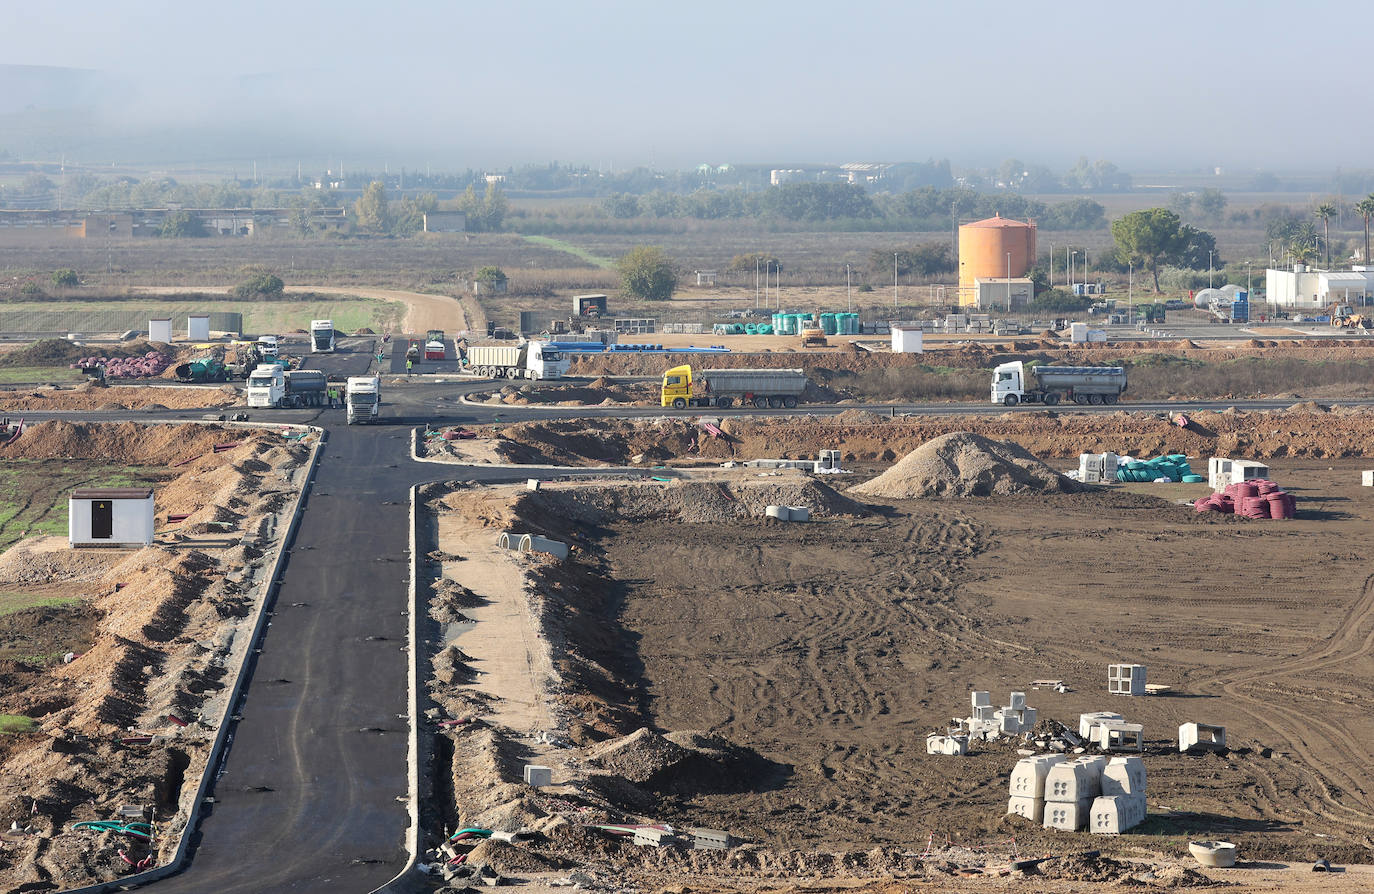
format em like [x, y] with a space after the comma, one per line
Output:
[203, 369]
[322, 336]
[434, 345]
[1343, 316]
[363, 398]
[814, 337]
[271, 386]
[1016, 383]
[764, 388]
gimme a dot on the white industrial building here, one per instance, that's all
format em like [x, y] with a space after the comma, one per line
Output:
[1314, 289]
[1003, 293]
[110, 516]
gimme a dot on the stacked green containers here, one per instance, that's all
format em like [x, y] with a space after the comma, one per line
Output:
[828, 324]
[1173, 467]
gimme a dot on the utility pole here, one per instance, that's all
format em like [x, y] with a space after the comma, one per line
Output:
[756, 280]
[1008, 283]
[894, 280]
[848, 296]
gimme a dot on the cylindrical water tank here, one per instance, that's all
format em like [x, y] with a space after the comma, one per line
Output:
[984, 247]
[828, 324]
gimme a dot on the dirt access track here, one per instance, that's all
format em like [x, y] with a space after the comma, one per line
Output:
[799, 668]
[423, 311]
[117, 663]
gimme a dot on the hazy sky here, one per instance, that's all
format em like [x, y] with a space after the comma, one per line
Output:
[460, 84]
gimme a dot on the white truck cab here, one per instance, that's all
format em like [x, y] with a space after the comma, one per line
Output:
[266, 385]
[1008, 378]
[363, 397]
[542, 363]
[268, 346]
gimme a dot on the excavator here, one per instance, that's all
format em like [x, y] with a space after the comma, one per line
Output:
[814, 337]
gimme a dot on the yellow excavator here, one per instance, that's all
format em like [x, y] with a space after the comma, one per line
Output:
[814, 337]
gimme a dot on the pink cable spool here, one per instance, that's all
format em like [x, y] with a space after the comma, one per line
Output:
[1204, 504]
[1267, 487]
[1245, 489]
[1253, 507]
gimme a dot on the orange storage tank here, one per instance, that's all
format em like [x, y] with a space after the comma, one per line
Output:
[983, 249]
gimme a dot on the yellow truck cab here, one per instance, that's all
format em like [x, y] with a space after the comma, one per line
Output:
[677, 385]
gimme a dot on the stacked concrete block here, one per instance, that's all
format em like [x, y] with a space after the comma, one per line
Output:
[988, 722]
[1032, 809]
[1196, 737]
[1126, 679]
[1097, 468]
[1112, 815]
[1086, 722]
[1070, 788]
[1124, 776]
[1028, 785]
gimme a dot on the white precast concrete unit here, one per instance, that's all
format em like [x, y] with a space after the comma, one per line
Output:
[534, 543]
[1126, 679]
[1201, 737]
[1067, 816]
[1075, 780]
[951, 744]
[1086, 722]
[537, 776]
[1028, 776]
[198, 327]
[1124, 776]
[1367, 477]
[160, 331]
[110, 516]
[1032, 809]
[907, 340]
[1116, 735]
[980, 698]
[1114, 814]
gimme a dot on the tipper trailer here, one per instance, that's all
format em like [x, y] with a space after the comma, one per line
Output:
[271, 386]
[531, 360]
[772, 388]
[1016, 383]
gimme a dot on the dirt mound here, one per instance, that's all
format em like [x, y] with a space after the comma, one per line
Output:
[695, 502]
[1308, 406]
[961, 464]
[127, 442]
[1093, 867]
[90, 397]
[638, 757]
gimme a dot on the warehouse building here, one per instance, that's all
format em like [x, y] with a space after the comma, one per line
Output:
[1306, 289]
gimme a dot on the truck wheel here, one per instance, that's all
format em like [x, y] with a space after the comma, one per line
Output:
[1051, 399]
[724, 403]
[679, 403]
[760, 402]
[775, 402]
[1011, 400]
[789, 402]
[1095, 399]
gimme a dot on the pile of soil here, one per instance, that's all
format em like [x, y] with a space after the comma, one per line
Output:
[126, 442]
[60, 352]
[961, 464]
[693, 502]
[93, 397]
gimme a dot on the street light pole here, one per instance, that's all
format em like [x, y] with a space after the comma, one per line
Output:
[1008, 283]
[1072, 255]
[848, 296]
[1130, 292]
[1209, 269]
[756, 280]
[894, 280]
[1051, 265]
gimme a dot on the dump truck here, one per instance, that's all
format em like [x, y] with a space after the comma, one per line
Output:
[1016, 383]
[363, 398]
[434, 345]
[322, 336]
[271, 386]
[764, 388]
[531, 360]
[202, 369]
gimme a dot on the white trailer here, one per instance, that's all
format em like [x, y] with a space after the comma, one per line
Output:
[531, 360]
[322, 336]
[1015, 383]
[363, 398]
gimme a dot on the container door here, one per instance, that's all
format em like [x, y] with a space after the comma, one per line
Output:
[102, 519]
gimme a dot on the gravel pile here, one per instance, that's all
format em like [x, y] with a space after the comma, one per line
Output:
[961, 464]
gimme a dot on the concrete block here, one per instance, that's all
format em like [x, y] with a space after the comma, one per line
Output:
[1008, 722]
[538, 776]
[1114, 814]
[1028, 776]
[781, 513]
[1018, 700]
[532, 484]
[951, 745]
[650, 837]
[799, 513]
[1196, 737]
[1075, 780]
[1367, 478]
[1027, 719]
[1067, 816]
[1126, 679]
[709, 839]
[981, 699]
[1032, 809]
[985, 712]
[1124, 776]
[1086, 722]
[1114, 735]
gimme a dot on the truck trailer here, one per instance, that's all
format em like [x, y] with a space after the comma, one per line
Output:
[531, 360]
[322, 336]
[764, 388]
[1015, 383]
[363, 397]
[271, 386]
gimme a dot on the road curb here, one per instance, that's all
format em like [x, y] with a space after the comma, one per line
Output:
[413, 688]
[224, 732]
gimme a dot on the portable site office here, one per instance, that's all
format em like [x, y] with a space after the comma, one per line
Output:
[110, 516]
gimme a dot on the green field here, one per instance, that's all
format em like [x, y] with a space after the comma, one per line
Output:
[11, 724]
[11, 602]
[33, 493]
[574, 250]
[117, 315]
[49, 375]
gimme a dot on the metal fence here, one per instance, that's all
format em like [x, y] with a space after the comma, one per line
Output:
[88, 322]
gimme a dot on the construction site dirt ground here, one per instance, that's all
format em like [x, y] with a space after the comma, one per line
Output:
[114, 663]
[829, 650]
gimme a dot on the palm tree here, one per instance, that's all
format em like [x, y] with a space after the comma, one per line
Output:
[1326, 211]
[1302, 243]
[1365, 208]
